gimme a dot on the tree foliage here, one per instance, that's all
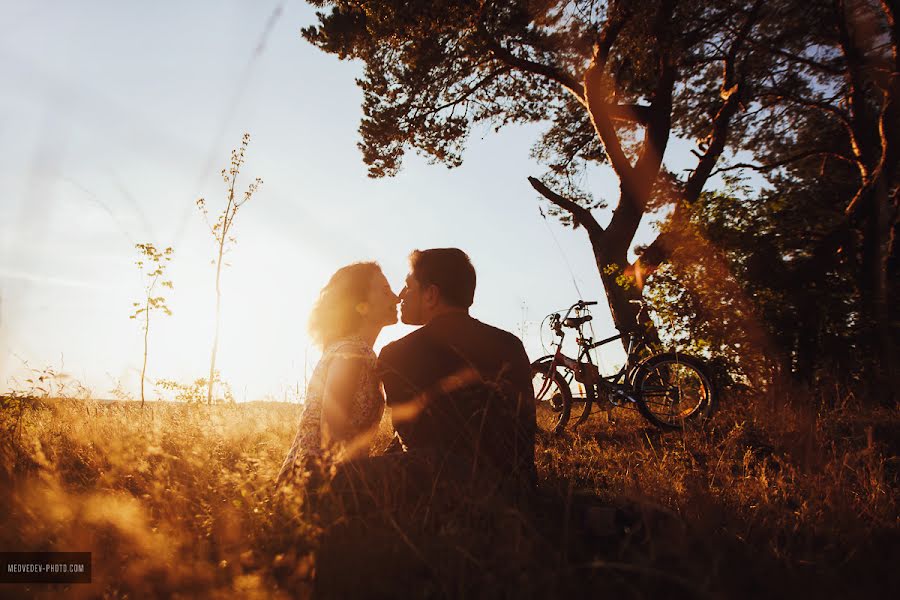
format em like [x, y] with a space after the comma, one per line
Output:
[796, 91]
[823, 249]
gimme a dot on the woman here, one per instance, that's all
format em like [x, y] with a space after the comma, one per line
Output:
[344, 402]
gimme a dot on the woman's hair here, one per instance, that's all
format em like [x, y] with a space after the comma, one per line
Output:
[334, 314]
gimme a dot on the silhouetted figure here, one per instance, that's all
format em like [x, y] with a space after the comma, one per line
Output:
[459, 390]
[462, 407]
[460, 394]
[344, 402]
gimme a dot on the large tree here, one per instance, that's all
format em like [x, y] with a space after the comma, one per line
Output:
[616, 80]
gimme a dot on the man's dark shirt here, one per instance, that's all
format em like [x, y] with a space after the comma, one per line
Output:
[461, 389]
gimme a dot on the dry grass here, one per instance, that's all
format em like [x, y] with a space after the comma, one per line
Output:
[177, 500]
[767, 501]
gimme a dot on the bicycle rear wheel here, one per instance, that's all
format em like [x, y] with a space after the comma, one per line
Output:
[674, 390]
[552, 398]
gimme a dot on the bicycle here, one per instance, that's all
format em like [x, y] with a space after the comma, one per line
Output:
[670, 389]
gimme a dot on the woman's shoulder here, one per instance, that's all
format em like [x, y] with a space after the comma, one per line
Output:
[349, 362]
[348, 349]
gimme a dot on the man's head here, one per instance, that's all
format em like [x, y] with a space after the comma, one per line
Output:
[440, 280]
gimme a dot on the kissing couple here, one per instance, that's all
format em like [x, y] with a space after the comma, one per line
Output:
[459, 390]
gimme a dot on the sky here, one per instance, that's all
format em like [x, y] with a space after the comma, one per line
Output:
[118, 116]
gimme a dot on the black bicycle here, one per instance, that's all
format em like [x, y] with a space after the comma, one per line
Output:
[670, 389]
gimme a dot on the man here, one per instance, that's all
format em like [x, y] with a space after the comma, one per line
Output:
[463, 409]
[459, 390]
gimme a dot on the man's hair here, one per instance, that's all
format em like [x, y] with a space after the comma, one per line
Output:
[450, 270]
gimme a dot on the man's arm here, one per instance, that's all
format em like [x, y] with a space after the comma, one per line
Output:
[386, 368]
[396, 391]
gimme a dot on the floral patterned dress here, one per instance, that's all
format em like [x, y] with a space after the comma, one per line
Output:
[317, 446]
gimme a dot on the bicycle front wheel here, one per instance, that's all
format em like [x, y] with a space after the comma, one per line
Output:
[674, 390]
[552, 398]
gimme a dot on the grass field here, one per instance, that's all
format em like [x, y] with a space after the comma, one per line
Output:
[177, 500]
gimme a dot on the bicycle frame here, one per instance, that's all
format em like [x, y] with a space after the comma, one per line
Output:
[583, 369]
[667, 388]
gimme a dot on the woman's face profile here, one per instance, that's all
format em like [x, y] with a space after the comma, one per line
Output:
[382, 301]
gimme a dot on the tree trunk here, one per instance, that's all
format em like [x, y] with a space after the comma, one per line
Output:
[873, 130]
[215, 345]
[610, 255]
[623, 282]
[878, 330]
[146, 335]
[623, 296]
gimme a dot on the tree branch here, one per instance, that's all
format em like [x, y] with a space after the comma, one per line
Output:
[786, 161]
[611, 29]
[659, 113]
[523, 64]
[595, 92]
[807, 62]
[872, 176]
[730, 92]
[890, 10]
[580, 214]
[855, 65]
[632, 113]
[822, 105]
[465, 95]
[659, 125]
[661, 248]
[637, 181]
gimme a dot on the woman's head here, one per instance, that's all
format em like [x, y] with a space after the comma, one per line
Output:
[356, 297]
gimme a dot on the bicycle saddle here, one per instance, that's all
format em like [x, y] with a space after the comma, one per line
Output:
[574, 322]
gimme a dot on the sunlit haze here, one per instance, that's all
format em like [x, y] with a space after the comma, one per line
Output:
[118, 116]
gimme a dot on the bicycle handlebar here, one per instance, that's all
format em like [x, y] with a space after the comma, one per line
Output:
[557, 322]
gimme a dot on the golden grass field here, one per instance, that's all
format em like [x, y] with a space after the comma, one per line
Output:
[176, 500]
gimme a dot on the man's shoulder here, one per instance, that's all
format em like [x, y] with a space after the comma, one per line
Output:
[502, 337]
[474, 332]
[402, 346]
